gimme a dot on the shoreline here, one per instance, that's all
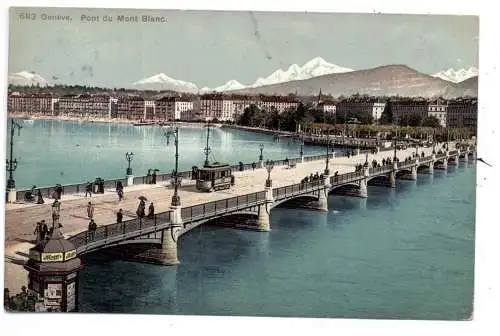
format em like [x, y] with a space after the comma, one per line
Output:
[104, 120]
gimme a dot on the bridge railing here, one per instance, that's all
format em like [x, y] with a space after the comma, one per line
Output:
[105, 232]
[426, 158]
[294, 189]
[453, 152]
[381, 169]
[213, 208]
[346, 178]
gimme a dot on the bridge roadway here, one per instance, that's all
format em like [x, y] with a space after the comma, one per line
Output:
[21, 218]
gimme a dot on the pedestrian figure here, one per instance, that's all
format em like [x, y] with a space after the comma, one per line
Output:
[55, 210]
[253, 165]
[153, 177]
[40, 197]
[59, 191]
[92, 229]
[51, 231]
[151, 212]
[45, 230]
[88, 189]
[119, 216]
[38, 232]
[141, 209]
[90, 210]
[119, 190]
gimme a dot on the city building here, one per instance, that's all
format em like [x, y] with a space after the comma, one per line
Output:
[440, 111]
[328, 106]
[280, 103]
[462, 112]
[210, 106]
[182, 108]
[165, 108]
[378, 109]
[131, 108]
[83, 106]
[402, 108]
[33, 104]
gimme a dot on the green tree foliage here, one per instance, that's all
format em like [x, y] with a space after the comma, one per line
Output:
[431, 121]
[386, 117]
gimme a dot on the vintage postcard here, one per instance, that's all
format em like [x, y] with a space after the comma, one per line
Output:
[264, 164]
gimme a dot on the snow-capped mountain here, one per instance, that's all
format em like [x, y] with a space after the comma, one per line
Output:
[230, 85]
[313, 68]
[162, 82]
[26, 78]
[457, 76]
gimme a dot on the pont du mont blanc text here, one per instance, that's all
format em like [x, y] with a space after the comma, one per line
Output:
[123, 18]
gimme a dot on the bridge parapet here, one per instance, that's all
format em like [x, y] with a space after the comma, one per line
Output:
[108, 234]
[216, 208]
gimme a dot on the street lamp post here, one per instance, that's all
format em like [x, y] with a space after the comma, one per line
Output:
[327, 162]
[301, 145]
[129, 157]
[269, 168]
[207, 148]
[176, 200]
[261, 157]
[395, 144]
[12, 162]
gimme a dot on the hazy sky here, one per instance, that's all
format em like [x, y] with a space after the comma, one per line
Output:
[210, 48]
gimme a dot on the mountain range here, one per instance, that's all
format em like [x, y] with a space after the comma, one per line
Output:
[457, 76]
[318, 74]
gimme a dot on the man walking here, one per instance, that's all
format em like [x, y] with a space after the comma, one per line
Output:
[151, 212]
[45, 230]
[88, 189]
[90, 210]
[38, 232]
[119, 216]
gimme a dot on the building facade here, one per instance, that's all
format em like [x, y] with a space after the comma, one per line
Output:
[439, 111]
[463, 113]
[378, 109]
[33, 104]
[404, 108]
[131, 108]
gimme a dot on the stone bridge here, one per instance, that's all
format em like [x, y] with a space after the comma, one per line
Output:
[160, 234]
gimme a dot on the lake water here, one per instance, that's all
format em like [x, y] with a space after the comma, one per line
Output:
[403, 253]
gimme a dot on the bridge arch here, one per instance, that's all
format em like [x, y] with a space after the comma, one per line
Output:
[345, 189]
[402, 172]
[378, 180]
[299, 200]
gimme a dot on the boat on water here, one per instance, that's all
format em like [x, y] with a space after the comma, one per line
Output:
[144, 123]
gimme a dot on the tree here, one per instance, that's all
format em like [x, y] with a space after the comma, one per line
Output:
[431, 121]
[386, 117]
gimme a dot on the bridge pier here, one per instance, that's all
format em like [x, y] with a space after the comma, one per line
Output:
[414, 172]
[363, 189]
[466, 156]
[263, 218]
[167, 255]
[261, 163]
[322, 203]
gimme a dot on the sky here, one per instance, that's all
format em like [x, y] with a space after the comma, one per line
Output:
[208, 48]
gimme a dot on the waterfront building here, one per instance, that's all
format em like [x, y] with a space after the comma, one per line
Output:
[33, 104]
[378, 109]
[280, 103]
[440, 111]
[210, 106]
[348, 108]
[83, 106]
[406, 107]
[240, 103]
[149, 110]
[182, 107]
[462, 112]
[165, 108]
[131, 108]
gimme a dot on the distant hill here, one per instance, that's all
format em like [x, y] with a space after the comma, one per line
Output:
[390, 80]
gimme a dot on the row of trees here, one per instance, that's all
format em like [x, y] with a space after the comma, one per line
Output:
[312, 119]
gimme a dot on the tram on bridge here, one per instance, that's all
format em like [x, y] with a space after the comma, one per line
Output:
[212, 177]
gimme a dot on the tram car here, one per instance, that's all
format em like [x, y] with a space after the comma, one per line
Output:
[212, 177]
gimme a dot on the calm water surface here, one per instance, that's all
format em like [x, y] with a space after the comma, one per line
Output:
[404, 253]
[51, 151]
